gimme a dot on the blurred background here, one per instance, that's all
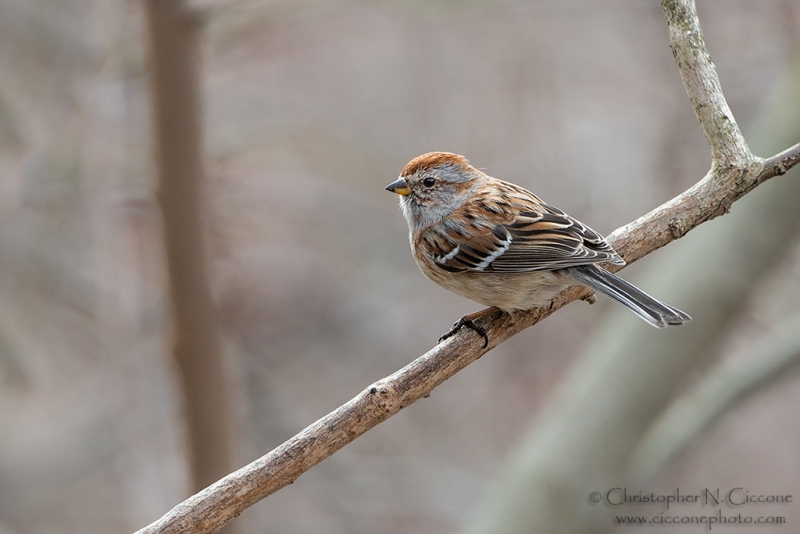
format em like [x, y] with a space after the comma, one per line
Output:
[308, 108]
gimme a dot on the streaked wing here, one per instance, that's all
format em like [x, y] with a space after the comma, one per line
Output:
[455, 251]
[550, 239]
[516, 234]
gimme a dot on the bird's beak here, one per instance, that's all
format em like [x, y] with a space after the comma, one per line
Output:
[400, 186]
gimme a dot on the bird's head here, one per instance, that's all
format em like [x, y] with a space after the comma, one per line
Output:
[433, 185]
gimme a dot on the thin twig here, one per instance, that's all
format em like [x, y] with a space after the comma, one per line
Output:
[779, 164]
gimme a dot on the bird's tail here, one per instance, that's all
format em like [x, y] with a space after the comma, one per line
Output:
[651, 310]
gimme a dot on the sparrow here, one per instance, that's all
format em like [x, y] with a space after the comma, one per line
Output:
[498, 244]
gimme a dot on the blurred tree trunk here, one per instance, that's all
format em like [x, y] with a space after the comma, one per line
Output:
[175, 57]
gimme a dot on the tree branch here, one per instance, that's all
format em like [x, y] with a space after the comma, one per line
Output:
[728, 146]
[779, 164]
[735, 172]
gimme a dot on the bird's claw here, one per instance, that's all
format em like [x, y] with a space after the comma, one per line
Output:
[469, 323]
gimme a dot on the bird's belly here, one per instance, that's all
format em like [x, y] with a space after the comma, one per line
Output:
[507, 291]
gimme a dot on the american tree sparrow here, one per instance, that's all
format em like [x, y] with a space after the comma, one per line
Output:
[499, 244]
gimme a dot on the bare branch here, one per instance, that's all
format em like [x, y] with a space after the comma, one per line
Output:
[728, 146]
[702, 202]
[779, 164]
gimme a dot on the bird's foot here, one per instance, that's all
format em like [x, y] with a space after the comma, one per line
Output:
[466, 321]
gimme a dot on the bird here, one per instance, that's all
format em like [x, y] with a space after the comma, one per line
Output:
[500, 245]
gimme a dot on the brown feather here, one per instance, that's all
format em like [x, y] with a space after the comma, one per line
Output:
[432, 160]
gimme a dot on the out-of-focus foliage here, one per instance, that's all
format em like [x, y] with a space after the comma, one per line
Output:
[313, 107]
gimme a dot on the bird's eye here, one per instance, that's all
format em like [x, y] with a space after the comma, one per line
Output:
[428, 182]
